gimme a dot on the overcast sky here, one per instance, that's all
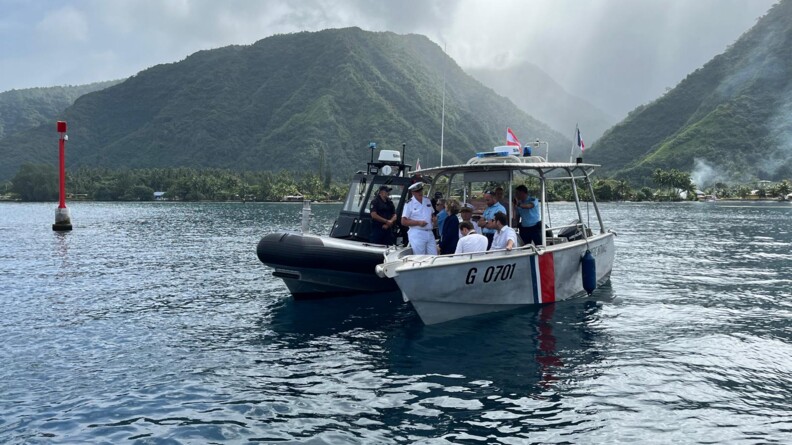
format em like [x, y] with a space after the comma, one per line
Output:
[617, 54]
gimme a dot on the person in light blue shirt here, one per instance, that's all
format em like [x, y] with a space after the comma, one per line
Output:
[441, 215]
[487, 221]
[527, 207]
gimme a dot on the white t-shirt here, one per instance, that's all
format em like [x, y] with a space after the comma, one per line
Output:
[473, 242]
[419, 211]
[502, 238]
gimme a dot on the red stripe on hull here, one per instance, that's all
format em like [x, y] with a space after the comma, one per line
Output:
[547, 273]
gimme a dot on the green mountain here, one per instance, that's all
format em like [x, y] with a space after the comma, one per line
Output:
[28, 108]
[535, 92]
[285, 102]
[733, 115]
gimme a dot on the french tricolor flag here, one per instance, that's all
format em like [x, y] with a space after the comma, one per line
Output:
[579, 139]
[511, 139]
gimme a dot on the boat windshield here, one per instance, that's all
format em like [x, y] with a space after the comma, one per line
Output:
[358, 199]
[357, 196]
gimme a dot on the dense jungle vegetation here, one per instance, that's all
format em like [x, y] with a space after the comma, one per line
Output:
[40, 183]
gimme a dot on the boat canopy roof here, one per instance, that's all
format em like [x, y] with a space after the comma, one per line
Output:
[535, 165]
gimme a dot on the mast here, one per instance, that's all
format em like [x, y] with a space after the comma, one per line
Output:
[442, 116]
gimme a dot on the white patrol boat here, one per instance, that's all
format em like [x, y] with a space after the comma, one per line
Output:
[570, 264]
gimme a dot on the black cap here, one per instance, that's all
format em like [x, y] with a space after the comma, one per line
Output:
[385, 187]
[438, 195]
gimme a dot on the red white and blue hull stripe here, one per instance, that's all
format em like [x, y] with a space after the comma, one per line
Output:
[543, 278]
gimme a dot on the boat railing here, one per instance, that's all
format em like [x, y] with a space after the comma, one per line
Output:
[473, 255]
[509, 159]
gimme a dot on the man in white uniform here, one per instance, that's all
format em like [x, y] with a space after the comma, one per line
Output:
[470, 241]
[505, 237]
[417, 215]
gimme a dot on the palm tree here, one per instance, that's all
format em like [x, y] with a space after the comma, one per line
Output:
[784, 188]
[623, 190]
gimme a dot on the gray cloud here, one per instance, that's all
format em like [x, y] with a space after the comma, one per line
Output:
[615, 53]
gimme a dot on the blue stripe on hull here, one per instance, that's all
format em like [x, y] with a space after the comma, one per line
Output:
[535, 277]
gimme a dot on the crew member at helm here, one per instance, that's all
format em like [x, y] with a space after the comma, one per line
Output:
[417, 215]
[383, 217]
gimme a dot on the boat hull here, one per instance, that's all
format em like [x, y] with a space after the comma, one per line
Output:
[318, 266]
[445, 288]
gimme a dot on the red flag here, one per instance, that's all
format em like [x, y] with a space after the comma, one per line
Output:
[511, 139]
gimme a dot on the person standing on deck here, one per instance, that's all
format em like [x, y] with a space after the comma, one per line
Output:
[501, 197]
[417, 215]
[486, 222]
[528, 208]
[449, 233]
[383, 217]
[442, 214]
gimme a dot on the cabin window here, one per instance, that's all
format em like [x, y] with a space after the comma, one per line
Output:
[357, 196]
[358, 199]
[396, 194]
[474, 195]
[457, 189]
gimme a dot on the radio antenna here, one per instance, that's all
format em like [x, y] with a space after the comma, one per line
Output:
[442, 116]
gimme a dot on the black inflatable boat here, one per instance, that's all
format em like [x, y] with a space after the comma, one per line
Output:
[314, 266]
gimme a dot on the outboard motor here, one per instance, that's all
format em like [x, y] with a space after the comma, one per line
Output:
[573, 233]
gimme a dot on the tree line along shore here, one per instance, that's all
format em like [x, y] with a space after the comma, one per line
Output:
[39, 183]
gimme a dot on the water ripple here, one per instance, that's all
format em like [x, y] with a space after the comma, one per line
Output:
[155, 323]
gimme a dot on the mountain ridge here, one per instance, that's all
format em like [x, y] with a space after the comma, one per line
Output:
[22, 109]
[732, 114]
[256, 106]
[531, 89]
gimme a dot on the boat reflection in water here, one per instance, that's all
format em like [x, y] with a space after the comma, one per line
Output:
[378, 313]
[526, 351]
[490, 376]
[547, 354]
[533, 345]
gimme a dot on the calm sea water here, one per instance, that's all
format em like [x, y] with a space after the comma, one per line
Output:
[155, 323]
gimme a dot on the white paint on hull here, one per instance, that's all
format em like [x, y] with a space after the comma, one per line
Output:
[448, 287]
